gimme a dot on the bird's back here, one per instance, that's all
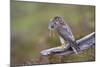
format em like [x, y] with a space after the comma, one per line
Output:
[65, 32]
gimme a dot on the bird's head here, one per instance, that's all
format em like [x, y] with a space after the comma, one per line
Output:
[54, 23]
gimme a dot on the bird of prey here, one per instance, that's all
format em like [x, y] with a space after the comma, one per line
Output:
[58, 24]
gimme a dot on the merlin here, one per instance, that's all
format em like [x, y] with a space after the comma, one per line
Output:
[64, 32]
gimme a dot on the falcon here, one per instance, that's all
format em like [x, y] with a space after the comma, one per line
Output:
[64, 32]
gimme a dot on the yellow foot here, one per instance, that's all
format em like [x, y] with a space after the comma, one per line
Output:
[62, 46]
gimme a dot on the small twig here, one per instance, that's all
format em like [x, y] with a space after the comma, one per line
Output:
[84, 43]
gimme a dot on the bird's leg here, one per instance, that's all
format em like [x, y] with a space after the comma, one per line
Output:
[62, 42]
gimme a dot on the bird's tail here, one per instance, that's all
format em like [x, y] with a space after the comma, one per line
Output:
[75, 47]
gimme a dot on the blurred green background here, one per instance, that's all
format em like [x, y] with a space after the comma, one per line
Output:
[29, 31]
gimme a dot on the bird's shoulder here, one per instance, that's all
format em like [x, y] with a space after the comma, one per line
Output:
[65, 29]
[65, 26]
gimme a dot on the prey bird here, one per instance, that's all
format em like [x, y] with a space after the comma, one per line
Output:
[64, 32]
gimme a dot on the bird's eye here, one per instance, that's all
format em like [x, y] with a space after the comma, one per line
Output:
[55, 23]
[52, 26]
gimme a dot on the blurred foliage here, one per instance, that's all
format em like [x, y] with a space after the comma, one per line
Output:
[29, 30]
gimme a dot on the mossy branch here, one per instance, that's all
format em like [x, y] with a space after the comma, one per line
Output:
[84, 43]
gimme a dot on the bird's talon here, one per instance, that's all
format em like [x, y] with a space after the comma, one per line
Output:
[62, 46]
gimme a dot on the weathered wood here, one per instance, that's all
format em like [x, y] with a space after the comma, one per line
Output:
[84, 43]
